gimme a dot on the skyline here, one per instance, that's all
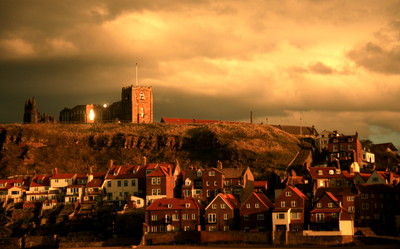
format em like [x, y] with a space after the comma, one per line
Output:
[333, 64]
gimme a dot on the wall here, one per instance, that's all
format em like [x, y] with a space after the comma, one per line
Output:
[207, 237]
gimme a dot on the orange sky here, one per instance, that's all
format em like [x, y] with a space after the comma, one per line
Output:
[334, 64]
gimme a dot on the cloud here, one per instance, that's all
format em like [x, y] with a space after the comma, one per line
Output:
[377, 59]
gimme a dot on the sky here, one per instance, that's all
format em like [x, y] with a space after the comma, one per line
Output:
[334, 64]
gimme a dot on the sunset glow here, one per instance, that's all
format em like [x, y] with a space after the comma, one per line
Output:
[334, 64]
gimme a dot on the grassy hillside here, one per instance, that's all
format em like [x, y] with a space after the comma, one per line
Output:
[41, 147]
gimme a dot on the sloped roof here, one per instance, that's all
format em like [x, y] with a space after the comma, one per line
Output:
[264, 199]
[383, 147]
[232, 172]
[375, 188]
[260, 184]
[159, 171]
[297, 191]
[301, 157]
[40, 181]
[297, 130]
[162, 204]
[337, 191]
[95, 183]
[122, 172]
[63, 175]
[326, 210]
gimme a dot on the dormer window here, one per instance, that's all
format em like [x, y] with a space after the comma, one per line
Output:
[188, 182]
[169, 205]
[331, 171]
[187, 205]
[211, 173]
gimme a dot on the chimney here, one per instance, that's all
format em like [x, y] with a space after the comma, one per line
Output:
[144, 161]
[55, 171]
[110, 163]
[219, 165]
[90, 175]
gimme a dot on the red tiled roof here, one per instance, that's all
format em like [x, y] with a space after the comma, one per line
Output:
[94, 183]
[332, 196]
[162, 204]
[159, 171]
[264, 199]
[177, 120]
[260, 184]
[326, 210]
[63, 175]
[122, 172]
[231, 200]
[297, 191]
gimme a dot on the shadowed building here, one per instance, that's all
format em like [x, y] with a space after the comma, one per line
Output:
[136, 106]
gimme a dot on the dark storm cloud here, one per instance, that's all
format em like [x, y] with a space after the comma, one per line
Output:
[377, 59]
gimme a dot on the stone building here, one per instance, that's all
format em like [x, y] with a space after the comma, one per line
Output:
[136, 106]
[33, 116]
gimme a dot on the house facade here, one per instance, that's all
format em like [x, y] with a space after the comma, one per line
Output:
[173, 215]
[255, 213]
[222, 214]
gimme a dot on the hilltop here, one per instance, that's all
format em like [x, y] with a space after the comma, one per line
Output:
[75, 147]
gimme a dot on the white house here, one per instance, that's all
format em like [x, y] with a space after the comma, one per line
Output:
[121, 182]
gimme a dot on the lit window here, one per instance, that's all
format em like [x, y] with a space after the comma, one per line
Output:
[211, 173]
[319, 205]
[248, 205]
[257, 205]
[283, 203]
[214, 206]
[288, 193]
[226, 216]
[212, 218]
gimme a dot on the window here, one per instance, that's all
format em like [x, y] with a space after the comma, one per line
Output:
[320, 217]
[257, 205]
[193, 216]
[154, 192]
[280, 216]
[187, 205]
[223, 206]
[375, 179]
[226, 216]
[158, 180]
[208, 193]
[335, 215]
[364, 196]
[170, 205]
[119, 183]
[351, 209]
[14, 192]
[320, 172]
[364, 206]
[158, 191]
[175, 217]
[288, 194]
[246, 217]
[296, 216]
[293, 203]
[226, 228]
[214, 206]
[125, 183]
[212, 218]
[350, 198]
[185, 216]
[215, 183]
[187, 228]
[154, 217]
[211, 173]
[207, 183]
[330, 205]
[153, 181]
[260, 217]
[248, 205]
[109, 184]
[212, 229]
[153, 229]
[133, 183]
[141, 96]
[167, 218]
[319, 205]
[283, 203]
[199, 173]
[162, 229]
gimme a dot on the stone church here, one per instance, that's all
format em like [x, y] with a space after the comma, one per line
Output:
[136, 106]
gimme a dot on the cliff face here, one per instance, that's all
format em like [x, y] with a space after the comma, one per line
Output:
[42, 147]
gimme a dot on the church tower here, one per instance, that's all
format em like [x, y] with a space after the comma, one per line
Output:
[137, 104]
